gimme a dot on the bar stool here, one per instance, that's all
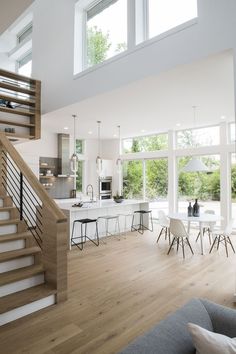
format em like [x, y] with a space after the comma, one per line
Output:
[107, 218]
[83, 233]
[141, 227]
[125, 215]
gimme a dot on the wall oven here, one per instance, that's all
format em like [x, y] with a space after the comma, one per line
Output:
[105, 188]
[105, 185]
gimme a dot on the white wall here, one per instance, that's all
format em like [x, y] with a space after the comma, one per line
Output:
[53, 41]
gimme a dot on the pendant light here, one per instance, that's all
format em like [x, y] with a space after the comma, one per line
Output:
[74, 161]
[119, 161]
[99, 159]
[195, 165]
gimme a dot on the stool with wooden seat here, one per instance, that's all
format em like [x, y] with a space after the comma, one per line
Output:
[83, 233]
[141, 227]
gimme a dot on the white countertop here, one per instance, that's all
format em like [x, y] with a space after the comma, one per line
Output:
[96, 205]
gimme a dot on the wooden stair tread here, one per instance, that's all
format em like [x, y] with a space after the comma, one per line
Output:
[23, 252]
[20, 274]
[25, 297]
[15, 99]
[6, 208]
[14, 237]
[9, 222]
[16, 111]
[17, 124]
[12, 87]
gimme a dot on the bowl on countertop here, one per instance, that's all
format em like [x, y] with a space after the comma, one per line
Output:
[118, 200]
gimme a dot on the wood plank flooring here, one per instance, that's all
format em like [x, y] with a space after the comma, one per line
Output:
[119, 290]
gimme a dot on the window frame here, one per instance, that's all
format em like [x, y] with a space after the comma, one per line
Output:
[85, 65]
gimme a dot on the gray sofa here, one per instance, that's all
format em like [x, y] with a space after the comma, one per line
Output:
[171, 335]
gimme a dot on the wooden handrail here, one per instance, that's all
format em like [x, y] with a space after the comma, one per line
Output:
[32, 179]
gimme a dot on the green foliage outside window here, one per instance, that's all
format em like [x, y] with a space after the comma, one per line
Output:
[205, 186]
[98, 46]
[79, 146]
[79, 177]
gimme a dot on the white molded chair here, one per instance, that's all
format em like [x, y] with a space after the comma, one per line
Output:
[180, 234]
[164, 222]
[224, 237]
[208, 226]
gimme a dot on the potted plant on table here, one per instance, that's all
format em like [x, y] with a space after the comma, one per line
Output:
[118, 198]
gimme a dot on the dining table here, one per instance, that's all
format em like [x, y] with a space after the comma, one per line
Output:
[202, 220]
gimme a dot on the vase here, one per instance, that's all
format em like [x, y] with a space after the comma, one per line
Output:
[190, 210]
[196, 209]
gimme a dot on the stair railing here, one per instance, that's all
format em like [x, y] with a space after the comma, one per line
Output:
[44, 219]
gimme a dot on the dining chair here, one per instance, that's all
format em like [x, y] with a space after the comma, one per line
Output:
[223, 236]
[208, 226]
[180, 234]
[164, 222]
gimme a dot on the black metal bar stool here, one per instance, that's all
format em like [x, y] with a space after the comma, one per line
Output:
[141, 227]
[83, 233]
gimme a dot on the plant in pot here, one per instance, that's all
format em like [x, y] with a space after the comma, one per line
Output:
[118, 198]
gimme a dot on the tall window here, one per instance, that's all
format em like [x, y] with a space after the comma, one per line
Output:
[133, 179]
[79, 177]
[233, 185]
[106, 29]
[25, 65]
[198, 137]
[146, 143]
[25, 33]
[201, 185]
[156, 184]
[167, 14]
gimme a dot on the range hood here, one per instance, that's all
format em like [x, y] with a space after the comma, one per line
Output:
[64, 169]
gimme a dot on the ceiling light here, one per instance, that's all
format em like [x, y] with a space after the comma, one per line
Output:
[178, 124]
[90, 132]
[194, 164]
[143, 131]
[222, 117]
[114, 135]
[66, 128]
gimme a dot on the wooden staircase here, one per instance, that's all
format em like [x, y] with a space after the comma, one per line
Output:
[33, 240]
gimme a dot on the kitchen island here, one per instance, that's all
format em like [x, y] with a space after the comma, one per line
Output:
[95, 210]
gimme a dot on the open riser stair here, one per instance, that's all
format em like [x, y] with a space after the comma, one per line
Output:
[33, 241]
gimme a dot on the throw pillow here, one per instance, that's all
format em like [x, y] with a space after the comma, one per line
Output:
[207, 342]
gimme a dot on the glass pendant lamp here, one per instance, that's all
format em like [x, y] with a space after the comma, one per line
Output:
[99, 159]
[119, 161]
[74, 161]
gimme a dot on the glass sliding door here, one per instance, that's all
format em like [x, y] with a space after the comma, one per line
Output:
[156, 187]
[133, 179]
[201, 185]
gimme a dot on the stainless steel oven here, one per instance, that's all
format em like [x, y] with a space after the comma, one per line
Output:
[105, 185]
[105, 196]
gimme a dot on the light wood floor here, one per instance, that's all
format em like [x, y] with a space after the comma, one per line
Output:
[118, 291]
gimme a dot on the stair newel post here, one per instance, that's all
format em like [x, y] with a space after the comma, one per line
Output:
[54, 252]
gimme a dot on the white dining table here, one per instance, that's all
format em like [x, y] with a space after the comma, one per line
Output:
[201, 220]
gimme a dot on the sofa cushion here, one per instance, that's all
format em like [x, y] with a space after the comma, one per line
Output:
[223, 318]
[171, 336]
[207, 342]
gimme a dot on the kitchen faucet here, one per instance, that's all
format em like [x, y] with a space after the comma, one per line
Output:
[87, 191]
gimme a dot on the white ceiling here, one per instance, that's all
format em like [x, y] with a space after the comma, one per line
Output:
[157, 103]
[10, 10]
